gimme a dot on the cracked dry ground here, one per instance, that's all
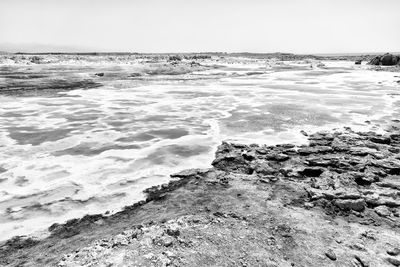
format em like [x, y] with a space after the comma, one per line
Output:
[334, 202]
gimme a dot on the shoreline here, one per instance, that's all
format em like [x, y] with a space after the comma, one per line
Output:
[347, 178]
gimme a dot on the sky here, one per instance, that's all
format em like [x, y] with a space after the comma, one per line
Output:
[296, 26]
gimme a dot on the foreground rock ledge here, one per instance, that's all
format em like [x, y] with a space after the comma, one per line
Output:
[334, 202]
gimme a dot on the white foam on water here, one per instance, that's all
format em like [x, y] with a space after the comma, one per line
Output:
[92, 151]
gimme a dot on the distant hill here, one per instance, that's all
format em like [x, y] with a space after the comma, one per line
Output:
[42, 48]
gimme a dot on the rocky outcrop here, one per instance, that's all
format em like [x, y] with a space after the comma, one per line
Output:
[385, 60]
[342, 172]
[25, 87]
[175, 58]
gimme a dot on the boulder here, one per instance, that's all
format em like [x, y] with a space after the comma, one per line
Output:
[382, 211]
[375, 61]
[385, 60]
[358, 62]
[389, 60]
[351, 204]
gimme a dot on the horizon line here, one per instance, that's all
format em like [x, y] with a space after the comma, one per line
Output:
[204, 52]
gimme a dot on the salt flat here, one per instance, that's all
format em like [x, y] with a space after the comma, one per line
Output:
[74, 143]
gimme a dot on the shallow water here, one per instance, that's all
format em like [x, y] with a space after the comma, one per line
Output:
[64, 154]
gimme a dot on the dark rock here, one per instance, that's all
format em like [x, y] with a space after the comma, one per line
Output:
[358, 62]
[385, 60]
[380, 140]
[320, 142]
[227, 159]
[393, 251]
[232, 162]
[196, 57]
[306, 151]
[393, 261]
[194, 64]
[135, 74]
[277, 157]
[173, 231]
[350, 204]
[364, 179]
[189, 173]
[360, 261]
[99, 74]
[359, 151]
[303, 133]
[261, 151]
[331, 255]
[249, 155]
[394, 150]
[389, 60]
[36, 60]
[19, 242]
[357, 246]
[175, 58]
[375, 61]
[394, 171]
[311, 172]
[286, 146]
[50, 86]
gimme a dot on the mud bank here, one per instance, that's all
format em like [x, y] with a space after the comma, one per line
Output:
[334, 202]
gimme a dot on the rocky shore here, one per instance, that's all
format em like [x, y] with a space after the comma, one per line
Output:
[333, 202]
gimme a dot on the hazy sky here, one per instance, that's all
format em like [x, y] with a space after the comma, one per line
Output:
[299, 26]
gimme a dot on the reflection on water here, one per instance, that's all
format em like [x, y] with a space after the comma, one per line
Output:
[79, 150]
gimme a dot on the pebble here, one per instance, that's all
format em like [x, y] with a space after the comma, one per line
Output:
[358, 246]
[382, 211]
[303, 133]
[166, 241]
[330, 254]
[393, 261]
[393, 251]
[308, 205]
[361, 262]
[173, 230]
[120, 240]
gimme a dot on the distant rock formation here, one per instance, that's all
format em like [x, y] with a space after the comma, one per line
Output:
[385, 60]
[36, 60]
[175, 58]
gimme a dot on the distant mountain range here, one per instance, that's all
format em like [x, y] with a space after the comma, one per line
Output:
[34, 48]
